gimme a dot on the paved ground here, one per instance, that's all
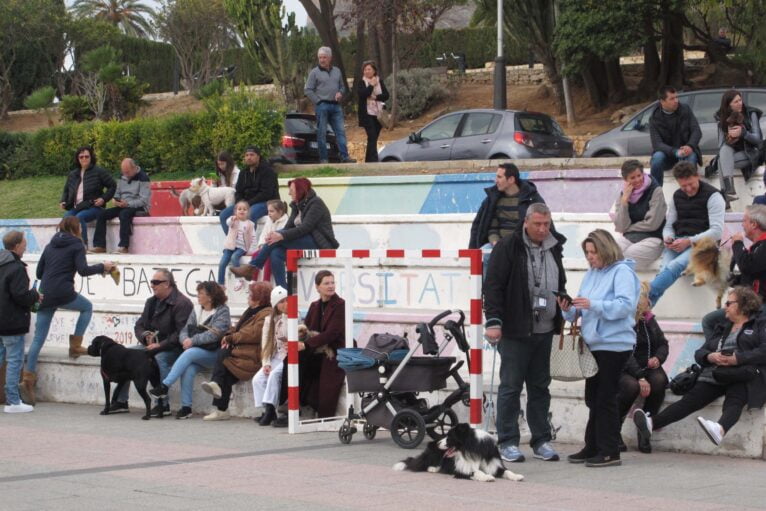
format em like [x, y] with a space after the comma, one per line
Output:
[68, 457]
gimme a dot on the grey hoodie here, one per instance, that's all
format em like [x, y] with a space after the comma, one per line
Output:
[136, 191]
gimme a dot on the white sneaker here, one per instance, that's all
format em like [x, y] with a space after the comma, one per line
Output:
[19, 408]
[239, 285]
[713, 429]
[217, 415]
[212, 388]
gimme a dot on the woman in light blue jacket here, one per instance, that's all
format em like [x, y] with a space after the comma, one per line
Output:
[606, 305]
[200, 339]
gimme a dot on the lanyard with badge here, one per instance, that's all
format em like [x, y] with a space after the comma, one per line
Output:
[539, 300]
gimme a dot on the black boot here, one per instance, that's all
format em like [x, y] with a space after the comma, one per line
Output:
[728, 189]
[269, 414]
[623, 447]
[644, 445]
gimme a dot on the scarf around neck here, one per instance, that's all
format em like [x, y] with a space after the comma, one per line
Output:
[636, 194]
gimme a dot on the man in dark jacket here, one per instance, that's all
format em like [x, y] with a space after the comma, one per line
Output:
[157, 330]
[675, 134]
[133, 196]
[87, 190]
[525, 269]
[503, 209]
[257, 184]
[750, 262]
[16, 301]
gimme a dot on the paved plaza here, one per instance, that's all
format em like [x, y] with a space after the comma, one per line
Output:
[68, 457]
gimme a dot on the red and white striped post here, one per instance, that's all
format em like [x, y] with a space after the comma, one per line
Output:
[475, 328]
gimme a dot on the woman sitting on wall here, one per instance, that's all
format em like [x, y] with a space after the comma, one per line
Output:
[733, 361]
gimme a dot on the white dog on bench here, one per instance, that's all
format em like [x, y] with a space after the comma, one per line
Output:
[212, 197]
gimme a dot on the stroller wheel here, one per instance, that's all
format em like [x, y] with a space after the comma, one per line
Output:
[346, 433]
[408, 428]
[369, 431]
[443, 424]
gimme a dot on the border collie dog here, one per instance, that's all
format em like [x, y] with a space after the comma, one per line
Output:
[465, 453]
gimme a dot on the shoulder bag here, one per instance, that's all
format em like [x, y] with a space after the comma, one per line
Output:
[571, 360]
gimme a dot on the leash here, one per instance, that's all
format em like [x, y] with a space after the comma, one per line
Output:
[490, 406]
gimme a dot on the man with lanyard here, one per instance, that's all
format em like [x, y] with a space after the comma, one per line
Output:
[751, 262]
[525, 269]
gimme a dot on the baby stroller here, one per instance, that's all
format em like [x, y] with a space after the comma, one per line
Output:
[389, 384]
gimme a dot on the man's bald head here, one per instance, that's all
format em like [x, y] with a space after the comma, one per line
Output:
[129, 168]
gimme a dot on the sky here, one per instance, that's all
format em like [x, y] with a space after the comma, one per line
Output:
[290, 5]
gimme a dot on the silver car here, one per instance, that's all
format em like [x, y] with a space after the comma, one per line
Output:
[481, 135]
[632, 138]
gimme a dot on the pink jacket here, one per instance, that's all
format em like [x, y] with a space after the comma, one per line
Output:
[231, 238]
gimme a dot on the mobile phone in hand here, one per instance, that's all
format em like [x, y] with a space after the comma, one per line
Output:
[563, 296]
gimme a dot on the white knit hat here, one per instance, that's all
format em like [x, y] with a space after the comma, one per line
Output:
[277, 295]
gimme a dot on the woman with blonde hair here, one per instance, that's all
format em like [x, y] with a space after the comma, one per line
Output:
[607, 305]
[643, 374]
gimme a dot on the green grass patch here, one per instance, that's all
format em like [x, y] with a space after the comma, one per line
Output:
[38, 197]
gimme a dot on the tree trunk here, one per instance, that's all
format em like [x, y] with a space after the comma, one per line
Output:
[648, 86]
[672, 66]
[616, 81]
[594, 78]
[360, 54]
[323, 18]
[552, 73]
[394, 69]
[373, 49]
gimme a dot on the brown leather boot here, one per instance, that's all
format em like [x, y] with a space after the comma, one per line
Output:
[245, 271]
[27, 387]
[75, 346]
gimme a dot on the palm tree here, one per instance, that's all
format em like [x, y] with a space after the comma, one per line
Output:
[128, 15]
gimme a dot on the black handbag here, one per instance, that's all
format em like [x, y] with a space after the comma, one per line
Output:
[684, 381]
[735, 374]
[192, 330]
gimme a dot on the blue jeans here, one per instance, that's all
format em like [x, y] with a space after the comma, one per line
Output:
[278, 254]
[164, 360]
[257, 210]
[673, 265]
[186, 367]
[332, 113]
[43, 326]
[12, 350]
[661, 162]
[85, 216]
[228, 255]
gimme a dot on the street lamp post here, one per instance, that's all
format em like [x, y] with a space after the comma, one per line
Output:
[499, 79]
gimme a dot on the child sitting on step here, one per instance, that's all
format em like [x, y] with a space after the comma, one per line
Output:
[276, 220]
[239, 241]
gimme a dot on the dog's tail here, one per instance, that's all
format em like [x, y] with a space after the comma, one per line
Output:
[414, 464]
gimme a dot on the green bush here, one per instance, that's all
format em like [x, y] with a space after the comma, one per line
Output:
[417, 90]
[40, 98]
[9, 144]
[178, 143]
[75, 109]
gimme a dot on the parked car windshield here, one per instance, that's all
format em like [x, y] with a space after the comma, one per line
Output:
[538, 124]
[705, 106]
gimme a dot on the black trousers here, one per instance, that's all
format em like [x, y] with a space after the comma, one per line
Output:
[602, 434]
[630, 389]
[701, 395]
[223, 377]
[126, 226]
[372, 127]
[524, 361]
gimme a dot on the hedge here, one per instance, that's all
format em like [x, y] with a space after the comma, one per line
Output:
[177, 143]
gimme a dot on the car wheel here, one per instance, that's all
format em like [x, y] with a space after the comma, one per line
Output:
[499, 156]
[606, 154]
[390, 159]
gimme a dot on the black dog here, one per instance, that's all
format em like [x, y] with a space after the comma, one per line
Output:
[465, 453]
[121, 365]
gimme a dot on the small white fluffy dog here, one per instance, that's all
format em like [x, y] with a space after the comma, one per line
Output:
[211, 196]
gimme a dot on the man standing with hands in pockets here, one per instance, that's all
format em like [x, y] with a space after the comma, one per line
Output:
[325, 88]
[525, 269]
